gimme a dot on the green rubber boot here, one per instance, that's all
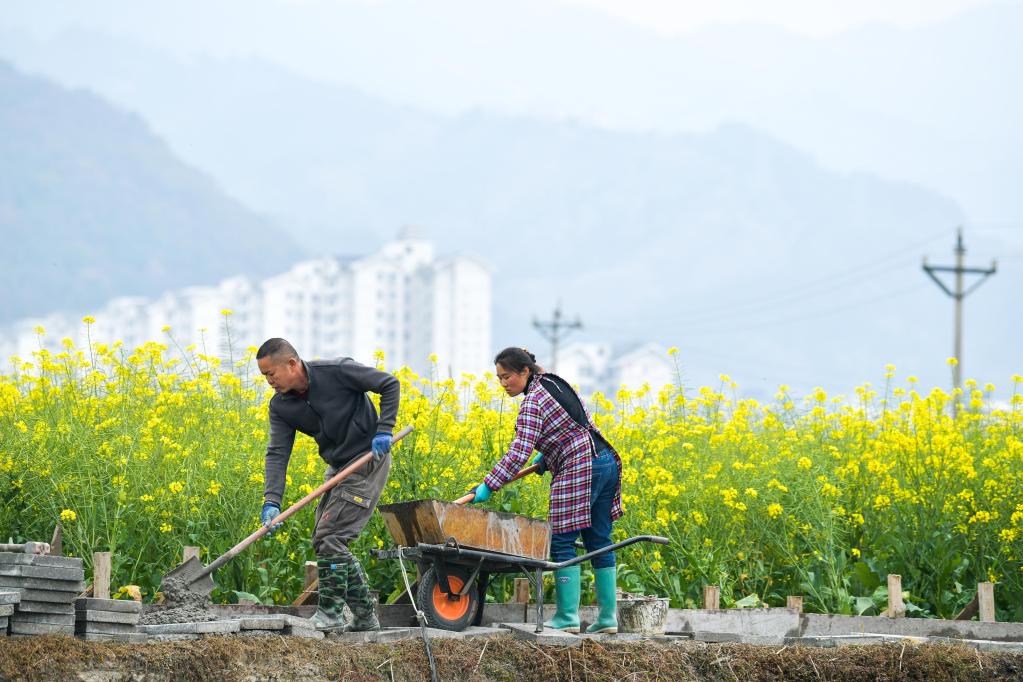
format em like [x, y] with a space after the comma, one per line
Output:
[566, 593]
[360, 601]
[333, 580]
[606, 580]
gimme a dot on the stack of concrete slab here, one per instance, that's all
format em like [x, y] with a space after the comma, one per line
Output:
[7, 602]
[47, 586]
[106, 620]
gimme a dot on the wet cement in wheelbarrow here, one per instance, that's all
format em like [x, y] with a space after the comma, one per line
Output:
[185, 605]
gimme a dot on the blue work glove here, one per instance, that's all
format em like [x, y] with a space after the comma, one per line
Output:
[542, 462]
[266, 517]
[381, 445]
[483, 492]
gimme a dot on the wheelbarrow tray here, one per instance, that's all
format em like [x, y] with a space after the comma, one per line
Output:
[435, 522]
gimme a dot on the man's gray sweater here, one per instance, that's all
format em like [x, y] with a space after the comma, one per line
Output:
[335, 411]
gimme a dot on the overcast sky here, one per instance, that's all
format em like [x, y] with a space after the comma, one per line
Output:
[811, 17]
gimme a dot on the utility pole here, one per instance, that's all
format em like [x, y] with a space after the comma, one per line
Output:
[958, 295]
[555, 330]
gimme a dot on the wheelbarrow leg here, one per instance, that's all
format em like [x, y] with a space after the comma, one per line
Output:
[539, 600]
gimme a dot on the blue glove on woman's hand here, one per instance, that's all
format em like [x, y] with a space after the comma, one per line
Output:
[482, 493]
[381, 445]
[269, 513]
[542, 462]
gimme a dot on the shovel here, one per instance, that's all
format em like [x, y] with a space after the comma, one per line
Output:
[465, 499]
[192, 578]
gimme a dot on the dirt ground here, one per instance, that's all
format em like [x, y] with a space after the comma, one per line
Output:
[273, 658]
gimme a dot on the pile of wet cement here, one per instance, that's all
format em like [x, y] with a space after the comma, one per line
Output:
[184, 605]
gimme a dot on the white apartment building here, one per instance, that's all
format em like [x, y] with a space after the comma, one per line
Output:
[401, 300]
[600, 367]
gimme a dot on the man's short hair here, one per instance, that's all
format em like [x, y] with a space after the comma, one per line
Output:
[278, 348]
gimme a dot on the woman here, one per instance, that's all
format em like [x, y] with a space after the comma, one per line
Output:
[585, 480]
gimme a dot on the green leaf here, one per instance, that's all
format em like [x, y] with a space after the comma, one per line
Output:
[863, 604]
[239, 595]
[748, 602]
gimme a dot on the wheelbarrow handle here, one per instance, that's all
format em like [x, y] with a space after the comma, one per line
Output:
[468, 497]
[293, 509]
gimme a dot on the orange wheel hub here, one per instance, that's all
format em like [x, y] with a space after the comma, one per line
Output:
[450, 609]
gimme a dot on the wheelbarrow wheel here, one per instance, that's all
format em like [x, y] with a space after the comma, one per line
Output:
[453, 612]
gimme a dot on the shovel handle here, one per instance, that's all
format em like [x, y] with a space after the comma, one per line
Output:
[465, 499]
[293, 509]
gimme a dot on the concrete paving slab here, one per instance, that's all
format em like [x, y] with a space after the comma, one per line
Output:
[49, 618]
[207, 627]
[10, 597]
[818, 624]
[74, 587]
[136, 638]
[619, 637]
[278, 621]
[117, 605]
[373, 636]
[107, 617]
[44, 607]
[49, 572]
[774, 622]
[261, 633]
[22, 559]
[17, 628]
[262, 623]
[48, 596]
[304, 632]
[549, 637]
[485, 631]
[6, 610]
[106, 628]
[171, 638]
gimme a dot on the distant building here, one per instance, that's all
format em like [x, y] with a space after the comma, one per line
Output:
[401, 300]
[602, 367]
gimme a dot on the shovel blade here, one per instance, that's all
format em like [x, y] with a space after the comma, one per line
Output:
[188, 577]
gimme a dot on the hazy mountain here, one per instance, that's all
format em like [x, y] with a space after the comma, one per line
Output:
[694, 239]
[94, 205]
[936, 105]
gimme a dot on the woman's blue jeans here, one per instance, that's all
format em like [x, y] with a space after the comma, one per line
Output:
[602, 495]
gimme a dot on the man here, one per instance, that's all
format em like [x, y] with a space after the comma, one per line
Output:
[326, 399]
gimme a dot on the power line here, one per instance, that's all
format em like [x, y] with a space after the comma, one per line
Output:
[555, 330]
[799, 292]
[958, 295]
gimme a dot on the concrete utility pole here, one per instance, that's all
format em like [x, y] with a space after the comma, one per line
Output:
[958, 295]
[554, 331]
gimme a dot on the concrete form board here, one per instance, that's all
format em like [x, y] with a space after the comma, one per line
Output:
[21, 559]
[107, 617]
[45, 572]
[117, 605]
[205, 627]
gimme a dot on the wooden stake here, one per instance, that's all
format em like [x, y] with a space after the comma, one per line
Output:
[794, 602]
[310, 593]
[522, 591]
[711, 597]
[986, 599]
[896, 607]
[101, 575]
[56, 544]
[190, 552]
[970, 610]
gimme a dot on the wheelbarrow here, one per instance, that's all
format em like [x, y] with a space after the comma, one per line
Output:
[458, 549]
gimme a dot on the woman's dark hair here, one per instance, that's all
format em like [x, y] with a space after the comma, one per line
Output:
[518, 359]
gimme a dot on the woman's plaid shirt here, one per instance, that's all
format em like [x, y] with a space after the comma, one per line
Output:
[544, 425]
